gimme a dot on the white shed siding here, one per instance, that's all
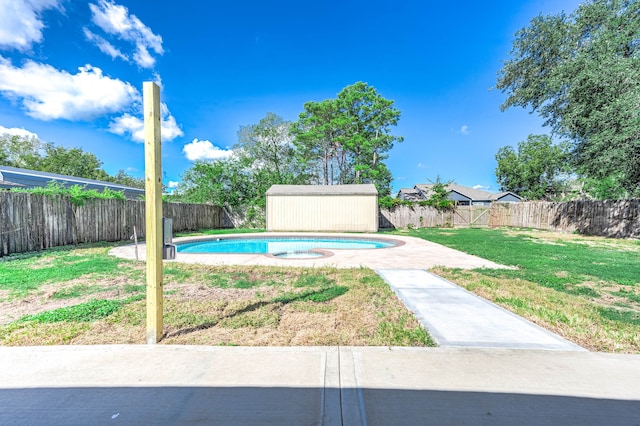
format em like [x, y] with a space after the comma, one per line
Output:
[353, 208]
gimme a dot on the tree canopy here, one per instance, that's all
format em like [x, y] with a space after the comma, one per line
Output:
[68, 161]
[268, 147]
[31, 153]
[536, 170]
[17, 151]
[345, 140]
[263, 156]
[581, 72]
[336, 141]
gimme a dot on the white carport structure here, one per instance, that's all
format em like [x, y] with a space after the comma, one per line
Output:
[335, 208]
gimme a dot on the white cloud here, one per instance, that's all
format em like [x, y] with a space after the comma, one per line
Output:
[173, 184]
[15, 131]
[422, 166]
[204, 150]
[20, 22]
[170, 129]
[47, 93]
[465, 130]
[128, 124]
[481, 187]
[104, 46]
[115, 19]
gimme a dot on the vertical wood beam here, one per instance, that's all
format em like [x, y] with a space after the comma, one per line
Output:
[153, 204]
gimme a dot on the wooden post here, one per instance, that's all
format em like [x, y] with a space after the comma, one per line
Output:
[153, 204]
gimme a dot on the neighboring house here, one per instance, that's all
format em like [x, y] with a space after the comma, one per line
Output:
[462, 195]
[13, 177]
[409, 194]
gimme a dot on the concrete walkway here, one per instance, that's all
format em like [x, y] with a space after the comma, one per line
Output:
[160, 385]
[458, 318]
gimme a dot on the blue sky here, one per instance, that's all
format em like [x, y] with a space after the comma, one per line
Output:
[71, 72]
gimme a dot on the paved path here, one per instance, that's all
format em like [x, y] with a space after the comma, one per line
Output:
[161, 385]
[458, 318]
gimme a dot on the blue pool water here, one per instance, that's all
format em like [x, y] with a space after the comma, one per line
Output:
[276, 245]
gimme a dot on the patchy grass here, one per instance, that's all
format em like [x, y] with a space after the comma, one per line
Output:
[586, 289]
[85, 312]
[211, 305]
[28, 273]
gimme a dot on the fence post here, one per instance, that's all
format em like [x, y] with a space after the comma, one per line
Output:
[153, 204]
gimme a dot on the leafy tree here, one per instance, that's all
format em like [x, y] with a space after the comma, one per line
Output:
[345, 140]
[68, 161]
[124, 178]
[536, 170]
[220, 182]
[582, 74]
[31, 153]
[439, 197]
[608, 188]
[316, 135]
[368, 120]
[263, 156]
[18, 151]
[268, 148]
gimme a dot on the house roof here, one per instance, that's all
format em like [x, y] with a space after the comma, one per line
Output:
[409, 194]
[8, 185]
[470, 193]
[499, 195]
[364, 189]
[16, 177]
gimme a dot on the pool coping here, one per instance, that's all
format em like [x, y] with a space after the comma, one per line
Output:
[411, 253]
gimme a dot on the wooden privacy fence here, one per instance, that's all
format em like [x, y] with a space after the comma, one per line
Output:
[416, 216]
[31, 222]
[617, 219]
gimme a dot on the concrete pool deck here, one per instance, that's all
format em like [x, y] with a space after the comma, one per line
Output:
[414, 253]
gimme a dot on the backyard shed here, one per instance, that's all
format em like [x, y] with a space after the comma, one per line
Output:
[340, 208]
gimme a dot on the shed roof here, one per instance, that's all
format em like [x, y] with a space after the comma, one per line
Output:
[363, 189]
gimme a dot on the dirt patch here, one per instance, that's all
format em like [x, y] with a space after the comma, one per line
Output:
[203, 292]
[45, 300]
[42, 262]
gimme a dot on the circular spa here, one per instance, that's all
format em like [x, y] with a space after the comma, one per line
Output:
[284, 247]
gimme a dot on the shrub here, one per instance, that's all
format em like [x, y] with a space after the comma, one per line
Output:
[76, 193]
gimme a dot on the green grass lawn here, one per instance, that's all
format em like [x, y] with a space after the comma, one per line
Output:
[585, 288]
[81, 295]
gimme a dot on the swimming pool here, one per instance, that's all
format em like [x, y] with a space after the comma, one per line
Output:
[285, 247]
